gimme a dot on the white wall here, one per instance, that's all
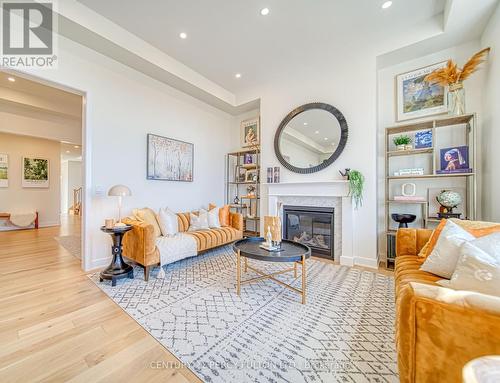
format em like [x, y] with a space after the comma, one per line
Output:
[122, 107]
[349, 86]
[491, 121]
[387, 117]
[16, 198]
[64, 187]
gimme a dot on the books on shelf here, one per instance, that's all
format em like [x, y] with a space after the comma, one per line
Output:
[410, 172]
[454, 171]
[412, 198]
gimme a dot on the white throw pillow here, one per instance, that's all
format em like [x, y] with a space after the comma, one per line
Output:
[168, 221]
[213, 218]
[476, 269]
[198, 222]
[442, 261]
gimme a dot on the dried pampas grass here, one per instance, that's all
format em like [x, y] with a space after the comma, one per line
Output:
[451, 74]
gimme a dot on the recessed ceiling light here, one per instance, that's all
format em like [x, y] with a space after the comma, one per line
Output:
[326, 138]
[387, 4]
[183, 35]
[306, 123]
[76, 146]
[316, 132]
[237, 75]
[67, 151]
[11, 79]
[264, 11]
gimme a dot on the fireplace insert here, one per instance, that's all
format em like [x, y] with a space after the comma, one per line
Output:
[312, 226]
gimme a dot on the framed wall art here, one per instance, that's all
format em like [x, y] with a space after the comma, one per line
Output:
[250, 132]
[416, 97]
[35, 172]
[4, 170]
[169, 159]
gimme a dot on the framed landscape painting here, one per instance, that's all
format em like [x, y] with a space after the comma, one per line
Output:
[35, 172]
[169, 159]
[4, 170]
[417, 98]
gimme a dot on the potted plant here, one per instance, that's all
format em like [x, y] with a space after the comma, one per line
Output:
[402, 142]
[453, 77]
[356, 185]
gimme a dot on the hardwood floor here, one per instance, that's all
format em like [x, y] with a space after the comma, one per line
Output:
[57, 326]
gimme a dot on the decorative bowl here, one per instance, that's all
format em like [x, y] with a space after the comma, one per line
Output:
[403, 219]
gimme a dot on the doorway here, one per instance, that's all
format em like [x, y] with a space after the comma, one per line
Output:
[42, 140]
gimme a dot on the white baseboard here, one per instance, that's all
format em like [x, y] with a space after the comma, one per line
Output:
[49, 223]
[366, 262]
[99, 263]
[346, 261]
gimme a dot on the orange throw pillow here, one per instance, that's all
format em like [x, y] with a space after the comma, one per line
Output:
[223, 214]
[429, 246]
[472, 227]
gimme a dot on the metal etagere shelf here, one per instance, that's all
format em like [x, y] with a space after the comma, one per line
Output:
[467, 120]
[247, 204]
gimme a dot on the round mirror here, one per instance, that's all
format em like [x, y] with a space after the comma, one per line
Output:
[311, 137]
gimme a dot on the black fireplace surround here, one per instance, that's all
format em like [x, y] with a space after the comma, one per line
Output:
[311, 226]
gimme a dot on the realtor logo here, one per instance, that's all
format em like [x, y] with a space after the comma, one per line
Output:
[28, 34]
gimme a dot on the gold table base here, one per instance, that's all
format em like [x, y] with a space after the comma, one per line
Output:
[263, 275]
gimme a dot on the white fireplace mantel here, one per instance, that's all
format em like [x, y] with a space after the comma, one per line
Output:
[325, 189]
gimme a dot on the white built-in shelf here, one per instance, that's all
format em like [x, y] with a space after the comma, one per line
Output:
[411, 152]
[429, 124]
[407, 202]
[423, 176]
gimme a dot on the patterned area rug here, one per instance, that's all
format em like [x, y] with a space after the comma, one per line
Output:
[72, 243]
[343, 334]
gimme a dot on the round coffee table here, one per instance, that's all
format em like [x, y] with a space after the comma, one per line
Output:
[290, 252]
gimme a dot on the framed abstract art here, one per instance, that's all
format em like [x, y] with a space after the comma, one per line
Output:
[169, 159]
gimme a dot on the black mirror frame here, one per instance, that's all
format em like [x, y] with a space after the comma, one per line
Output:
[340, 148]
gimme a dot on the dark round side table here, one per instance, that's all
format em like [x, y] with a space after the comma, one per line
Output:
[290, 252]
[118, 269]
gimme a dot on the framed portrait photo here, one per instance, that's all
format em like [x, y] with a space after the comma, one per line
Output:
[250, 132]
[169, 159]
[35, 172]
[417, 98]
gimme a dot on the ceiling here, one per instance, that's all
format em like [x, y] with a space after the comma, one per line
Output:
[225, 37]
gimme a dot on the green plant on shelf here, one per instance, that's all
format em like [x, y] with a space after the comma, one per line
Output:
[402, 140]
[356, 186]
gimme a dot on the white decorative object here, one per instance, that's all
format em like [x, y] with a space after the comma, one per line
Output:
[169, 224]
[412, 192]
[119, 191]
[485, 369]
[213, 218]
[442, 261]
[198, 222]
[478, 267]
[4, 170]
[35, 172]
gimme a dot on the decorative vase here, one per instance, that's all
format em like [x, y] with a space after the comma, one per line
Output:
[401, 147]
[456, 99]
[408, 147]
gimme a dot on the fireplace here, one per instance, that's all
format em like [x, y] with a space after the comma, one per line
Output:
[312, 226]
